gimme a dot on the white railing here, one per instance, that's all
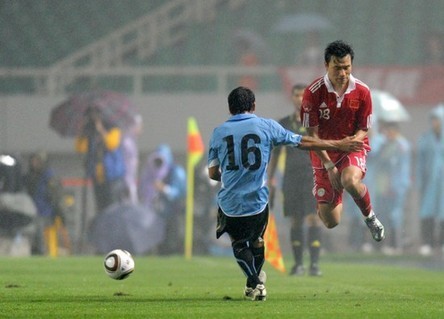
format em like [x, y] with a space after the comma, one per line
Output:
[161, 28]
[49, 82]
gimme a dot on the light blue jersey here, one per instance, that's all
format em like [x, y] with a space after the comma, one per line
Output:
[242, 148]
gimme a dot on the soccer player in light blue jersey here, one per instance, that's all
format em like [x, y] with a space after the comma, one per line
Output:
[238, 156]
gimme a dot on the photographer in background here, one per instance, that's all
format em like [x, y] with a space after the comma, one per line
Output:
[100, 141]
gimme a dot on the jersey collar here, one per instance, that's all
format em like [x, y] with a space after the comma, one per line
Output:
[329, 85]
[240, 117]
[330, 89]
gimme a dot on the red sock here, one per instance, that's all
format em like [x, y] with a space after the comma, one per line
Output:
[363, 202]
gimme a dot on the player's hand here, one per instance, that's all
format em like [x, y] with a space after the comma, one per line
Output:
[351, 144]
[159, 185]
[99, 126]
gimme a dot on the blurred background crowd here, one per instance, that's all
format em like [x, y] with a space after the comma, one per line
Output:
[95, 95]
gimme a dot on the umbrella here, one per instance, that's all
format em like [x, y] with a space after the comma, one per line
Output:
[67, 118]
[134, 228]
[387, 108]
[246, 39]
[17, 210]
[301, 22]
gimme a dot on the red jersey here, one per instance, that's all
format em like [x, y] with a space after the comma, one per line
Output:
[336, 116]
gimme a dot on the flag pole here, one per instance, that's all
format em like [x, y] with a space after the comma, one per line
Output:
[189, 216]
[195, 152]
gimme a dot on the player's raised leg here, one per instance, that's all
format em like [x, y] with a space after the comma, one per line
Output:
[351, 180]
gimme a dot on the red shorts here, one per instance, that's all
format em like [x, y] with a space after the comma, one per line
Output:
[323, 191]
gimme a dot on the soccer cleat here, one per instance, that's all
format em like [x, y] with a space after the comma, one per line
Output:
[248, 291]
[315, 271]
[376, 228]
[259, 293]
[297, 270]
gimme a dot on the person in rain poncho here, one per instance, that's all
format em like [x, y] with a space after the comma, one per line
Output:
[392, 179]
[131, 156]
[430, 182]
[163, 189]
[44, 187]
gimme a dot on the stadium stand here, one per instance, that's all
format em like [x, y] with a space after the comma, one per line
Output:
[65, 34]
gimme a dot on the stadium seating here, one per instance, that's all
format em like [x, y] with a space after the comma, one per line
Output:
[40, 33]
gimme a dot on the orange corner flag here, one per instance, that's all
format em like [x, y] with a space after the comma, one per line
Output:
[195, 143]
[273, 253]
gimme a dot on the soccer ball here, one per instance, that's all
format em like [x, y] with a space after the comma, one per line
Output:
[119, 264]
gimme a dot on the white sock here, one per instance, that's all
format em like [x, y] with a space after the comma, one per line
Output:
[371, 214]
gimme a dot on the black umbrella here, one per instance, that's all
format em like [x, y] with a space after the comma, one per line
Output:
[67, 118]
[134, 228]
[17, 210]
[12, 220]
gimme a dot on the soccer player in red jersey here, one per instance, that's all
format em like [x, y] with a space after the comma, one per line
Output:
[333, 107]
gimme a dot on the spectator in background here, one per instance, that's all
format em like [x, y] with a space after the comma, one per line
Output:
[252, 51]
[391, 166]
[249, 59]
[312, 53]
[131, 155]
[299, 204]
[205, 209]
[430, 182]
[100, 141]
[434, 48]
[163, 189]
[44, 188]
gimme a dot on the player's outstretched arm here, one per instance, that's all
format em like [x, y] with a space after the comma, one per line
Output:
[348, 144]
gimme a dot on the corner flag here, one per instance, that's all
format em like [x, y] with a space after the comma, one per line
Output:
[195, 152]
[273, 253]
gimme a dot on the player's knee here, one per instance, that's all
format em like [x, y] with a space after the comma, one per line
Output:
[258, 248]
[258, 243]
[330, 223]
[328, 220]
[351, 180]
[238, 247]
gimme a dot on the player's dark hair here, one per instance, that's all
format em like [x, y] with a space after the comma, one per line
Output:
[241, 100]
[338, 49]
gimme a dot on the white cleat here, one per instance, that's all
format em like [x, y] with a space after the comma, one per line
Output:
[258, 293]
[376, 228]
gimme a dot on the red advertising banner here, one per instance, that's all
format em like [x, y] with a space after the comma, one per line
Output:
[413, 86]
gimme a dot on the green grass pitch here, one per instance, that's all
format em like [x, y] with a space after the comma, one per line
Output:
[211, 287]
